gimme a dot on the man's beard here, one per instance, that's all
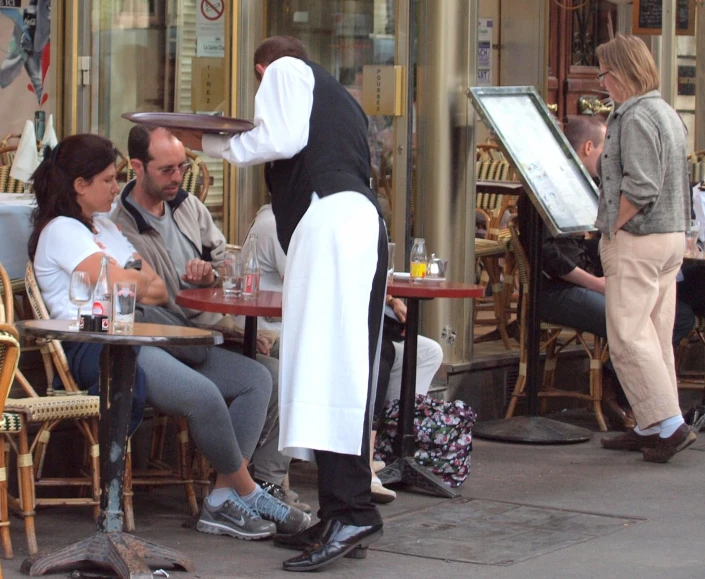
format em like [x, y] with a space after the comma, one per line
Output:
[156, 192]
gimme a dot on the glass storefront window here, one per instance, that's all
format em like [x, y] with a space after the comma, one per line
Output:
[151, 55]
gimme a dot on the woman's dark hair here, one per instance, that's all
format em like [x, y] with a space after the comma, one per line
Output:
[276, 47]
[76, 156]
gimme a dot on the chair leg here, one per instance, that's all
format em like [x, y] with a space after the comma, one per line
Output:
[4, 510]
[596, 382]
[94, 453]
[549, 372]
[25, 473]
[185, 464]
[518, 391]
[127, 492]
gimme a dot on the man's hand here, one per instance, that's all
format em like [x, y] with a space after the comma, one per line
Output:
[264, 346]
[199, 272]
[190, 138]
[399, 308]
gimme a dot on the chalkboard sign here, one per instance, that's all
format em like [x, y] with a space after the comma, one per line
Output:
[555, 179]
[647, 17]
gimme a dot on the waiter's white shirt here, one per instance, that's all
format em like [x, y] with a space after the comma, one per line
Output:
[283, 105]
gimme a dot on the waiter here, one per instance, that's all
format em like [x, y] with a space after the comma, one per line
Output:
[312, 135]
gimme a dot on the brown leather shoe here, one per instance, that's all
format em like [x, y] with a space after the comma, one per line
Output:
[630, 440]
[665, 448]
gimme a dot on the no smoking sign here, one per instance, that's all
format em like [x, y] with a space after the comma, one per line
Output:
[212, 9]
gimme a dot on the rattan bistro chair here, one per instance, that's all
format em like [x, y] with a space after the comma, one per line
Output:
[196, 180]
[12, 425]
[58, 406]
[550, 344]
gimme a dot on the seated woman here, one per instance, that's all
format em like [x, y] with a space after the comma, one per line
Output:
[74, 184]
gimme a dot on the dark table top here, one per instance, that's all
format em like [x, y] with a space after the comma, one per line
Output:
[267, 303]
[143, 335]
[429, 290]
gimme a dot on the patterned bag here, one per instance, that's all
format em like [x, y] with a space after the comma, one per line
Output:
[443, 436]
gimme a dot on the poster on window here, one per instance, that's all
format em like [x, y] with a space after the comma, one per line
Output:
[210, 28]
[25, 87]
[484, 52]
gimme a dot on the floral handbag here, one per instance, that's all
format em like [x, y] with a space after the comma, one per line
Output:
[443, 433]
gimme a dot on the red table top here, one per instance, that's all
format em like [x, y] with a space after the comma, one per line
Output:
[428, 290]
[213, 300]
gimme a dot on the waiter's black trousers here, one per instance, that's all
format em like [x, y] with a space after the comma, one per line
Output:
[344, 479]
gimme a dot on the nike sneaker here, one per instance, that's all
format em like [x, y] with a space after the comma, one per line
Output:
[288, 519]
[236, 519]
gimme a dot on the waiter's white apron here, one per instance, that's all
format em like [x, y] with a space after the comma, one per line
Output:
[324, 357]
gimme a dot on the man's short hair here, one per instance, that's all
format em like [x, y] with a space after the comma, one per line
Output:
[138, 142]
[276, 47]
[581, 128]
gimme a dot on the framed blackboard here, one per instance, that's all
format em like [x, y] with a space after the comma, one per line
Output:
[647, 17]
[556, 181]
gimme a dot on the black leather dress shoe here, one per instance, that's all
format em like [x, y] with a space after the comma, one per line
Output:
[336, 540]
[307, 539]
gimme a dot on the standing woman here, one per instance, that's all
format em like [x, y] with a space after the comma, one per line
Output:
[643, 211]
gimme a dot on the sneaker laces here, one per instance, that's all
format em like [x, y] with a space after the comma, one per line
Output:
[238, 504]
[266, 504]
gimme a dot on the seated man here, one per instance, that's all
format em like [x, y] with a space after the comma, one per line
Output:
[175, 233]
[573, 288]
[272, 262]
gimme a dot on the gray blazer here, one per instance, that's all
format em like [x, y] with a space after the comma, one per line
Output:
[644, 158]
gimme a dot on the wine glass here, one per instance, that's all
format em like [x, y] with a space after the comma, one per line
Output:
[79, 293]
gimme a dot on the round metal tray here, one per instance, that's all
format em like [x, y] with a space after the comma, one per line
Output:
[189, 121]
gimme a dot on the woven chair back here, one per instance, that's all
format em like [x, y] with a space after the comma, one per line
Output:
[7, 183]
[40, 312]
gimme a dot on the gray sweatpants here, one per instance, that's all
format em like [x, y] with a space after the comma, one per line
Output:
[224, 399]
[269, 464]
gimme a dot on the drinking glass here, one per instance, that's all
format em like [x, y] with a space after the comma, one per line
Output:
[124, 302]
[692, 234]
[79, 293]
[391, 250]
[232, 274]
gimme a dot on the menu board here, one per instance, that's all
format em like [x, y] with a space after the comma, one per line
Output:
[647, 17]
[554, 178]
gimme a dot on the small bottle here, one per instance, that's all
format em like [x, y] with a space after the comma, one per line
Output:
[250, 271]
[102, 296]
[419, 260]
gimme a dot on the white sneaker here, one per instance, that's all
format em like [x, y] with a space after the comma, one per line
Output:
[378, 465]
[381, 494]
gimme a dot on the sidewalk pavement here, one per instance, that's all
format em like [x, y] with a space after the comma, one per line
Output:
[572, 511]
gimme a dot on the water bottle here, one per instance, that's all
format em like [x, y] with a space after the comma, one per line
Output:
[250, 271]
[102, 296]
[419, 260]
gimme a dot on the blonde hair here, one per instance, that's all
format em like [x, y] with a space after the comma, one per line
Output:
[628, 59]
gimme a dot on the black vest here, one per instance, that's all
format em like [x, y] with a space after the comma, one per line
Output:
[336, 158]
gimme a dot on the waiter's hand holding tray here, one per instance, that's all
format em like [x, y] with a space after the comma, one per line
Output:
[189, 128]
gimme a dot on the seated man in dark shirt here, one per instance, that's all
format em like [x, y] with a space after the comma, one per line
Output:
[572, 285]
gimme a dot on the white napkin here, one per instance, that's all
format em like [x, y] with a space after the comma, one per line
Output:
[26, 156]
[49, 137]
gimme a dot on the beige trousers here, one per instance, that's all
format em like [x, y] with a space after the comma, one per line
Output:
[640, 295]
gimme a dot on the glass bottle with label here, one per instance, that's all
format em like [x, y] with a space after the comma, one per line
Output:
[419, 260]
[250, 270]
[102, 296]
